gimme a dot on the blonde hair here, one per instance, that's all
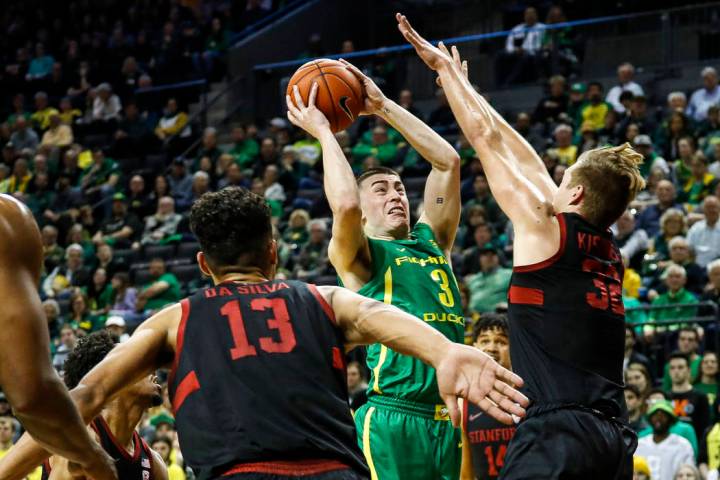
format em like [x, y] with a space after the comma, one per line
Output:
[670, 214]
[611, 179]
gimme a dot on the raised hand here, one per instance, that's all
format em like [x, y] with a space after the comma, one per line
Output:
[471, 374]
[309, 118]
[374, 97]
[433, 56]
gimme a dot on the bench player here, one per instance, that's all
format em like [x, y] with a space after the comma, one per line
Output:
[565, 300]
[258, 376]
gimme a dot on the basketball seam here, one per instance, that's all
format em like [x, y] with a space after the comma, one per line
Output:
[332, 100]
[304, 75]
[351, 89]
[348, 85]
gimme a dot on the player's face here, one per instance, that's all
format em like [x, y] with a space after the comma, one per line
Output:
[147, 392]
[495, 343]
[385, 207]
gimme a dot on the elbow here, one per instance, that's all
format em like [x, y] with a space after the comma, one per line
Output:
[347, 208]
[31, 399]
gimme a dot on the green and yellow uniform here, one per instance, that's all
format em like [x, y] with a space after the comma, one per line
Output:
[404, 429]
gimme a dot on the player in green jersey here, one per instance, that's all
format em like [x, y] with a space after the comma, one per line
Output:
[403, 429]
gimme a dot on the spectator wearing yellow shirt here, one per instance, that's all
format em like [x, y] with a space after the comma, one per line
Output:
[164, 446]
[68, 114]
[41, 117]
[631, 281]
[172, 122]
[595, 109]
[20, 178]
[58, 135]
[564, 149]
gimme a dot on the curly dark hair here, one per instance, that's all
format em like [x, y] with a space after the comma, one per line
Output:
[88, 352]
[490, 321]
[233, 228]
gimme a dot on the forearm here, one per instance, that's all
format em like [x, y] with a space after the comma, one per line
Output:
[59, 426]
[523, 154]
[338, 179]
[428, 143]
[382, 323]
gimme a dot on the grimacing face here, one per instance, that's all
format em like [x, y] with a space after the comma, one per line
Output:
[385, 206]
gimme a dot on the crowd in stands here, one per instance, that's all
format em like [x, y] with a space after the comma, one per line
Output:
[99, 165]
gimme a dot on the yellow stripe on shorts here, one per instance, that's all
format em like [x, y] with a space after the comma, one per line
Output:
[366, 443]
[387, 298]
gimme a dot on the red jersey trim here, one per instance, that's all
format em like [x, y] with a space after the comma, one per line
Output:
[291, 469]
[185, 306]
[323, 303]
[135, 438]
[526, 296]
[546, 263]
[188, 385]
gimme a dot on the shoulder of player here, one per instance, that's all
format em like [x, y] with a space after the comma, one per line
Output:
[16, 220]
[355, 269]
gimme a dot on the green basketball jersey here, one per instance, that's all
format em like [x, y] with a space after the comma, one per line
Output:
[415, 276]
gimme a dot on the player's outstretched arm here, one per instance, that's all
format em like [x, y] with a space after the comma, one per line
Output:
[348, 251]
[38, 396]
[462, 371]
[442, 190]
[521, 200]
[150, 347]
[527, 159]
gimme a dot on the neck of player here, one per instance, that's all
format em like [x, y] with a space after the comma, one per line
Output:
[244, 277]
[122, 416]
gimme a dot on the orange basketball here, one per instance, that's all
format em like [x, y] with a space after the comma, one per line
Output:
[339, 95]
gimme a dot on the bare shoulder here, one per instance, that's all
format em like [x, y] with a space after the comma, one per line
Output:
[21, 245]
[537, 242]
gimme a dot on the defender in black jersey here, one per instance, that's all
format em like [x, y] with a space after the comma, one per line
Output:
[258, 367]
[115, 427]
[565, 307]
[485, 440]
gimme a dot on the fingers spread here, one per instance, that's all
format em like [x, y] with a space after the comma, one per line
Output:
[508, 377]
[506, 404]
[443, 48]
[511, 393]
[291, 106]
[494, 411]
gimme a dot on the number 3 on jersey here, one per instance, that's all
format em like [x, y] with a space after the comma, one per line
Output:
[610, 292]
[280, 322]
[445, 296]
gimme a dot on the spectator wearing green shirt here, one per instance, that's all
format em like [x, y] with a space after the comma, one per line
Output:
[700, 184]
[245, 149]
[163, 289]
[675, 279]
[98, 181]
[381, 147]
[489, 286]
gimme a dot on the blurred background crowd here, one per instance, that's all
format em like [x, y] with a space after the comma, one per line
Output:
[104, 135]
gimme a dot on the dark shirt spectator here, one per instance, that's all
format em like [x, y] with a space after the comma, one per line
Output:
[122, 228]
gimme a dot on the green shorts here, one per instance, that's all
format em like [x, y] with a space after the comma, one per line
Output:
[407, 440]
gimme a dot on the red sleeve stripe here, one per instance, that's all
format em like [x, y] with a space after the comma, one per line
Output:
[526, 296]
[185, 306]
[188, 385]
[323, 303]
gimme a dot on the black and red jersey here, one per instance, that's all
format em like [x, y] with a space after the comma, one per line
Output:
[488, 439]
[259, 377]
[567, 320]
[135, 466]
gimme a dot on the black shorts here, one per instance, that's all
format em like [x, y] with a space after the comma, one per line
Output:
[570, 444]
[335, 475]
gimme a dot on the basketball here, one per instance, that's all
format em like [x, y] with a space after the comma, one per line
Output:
[340, 93]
